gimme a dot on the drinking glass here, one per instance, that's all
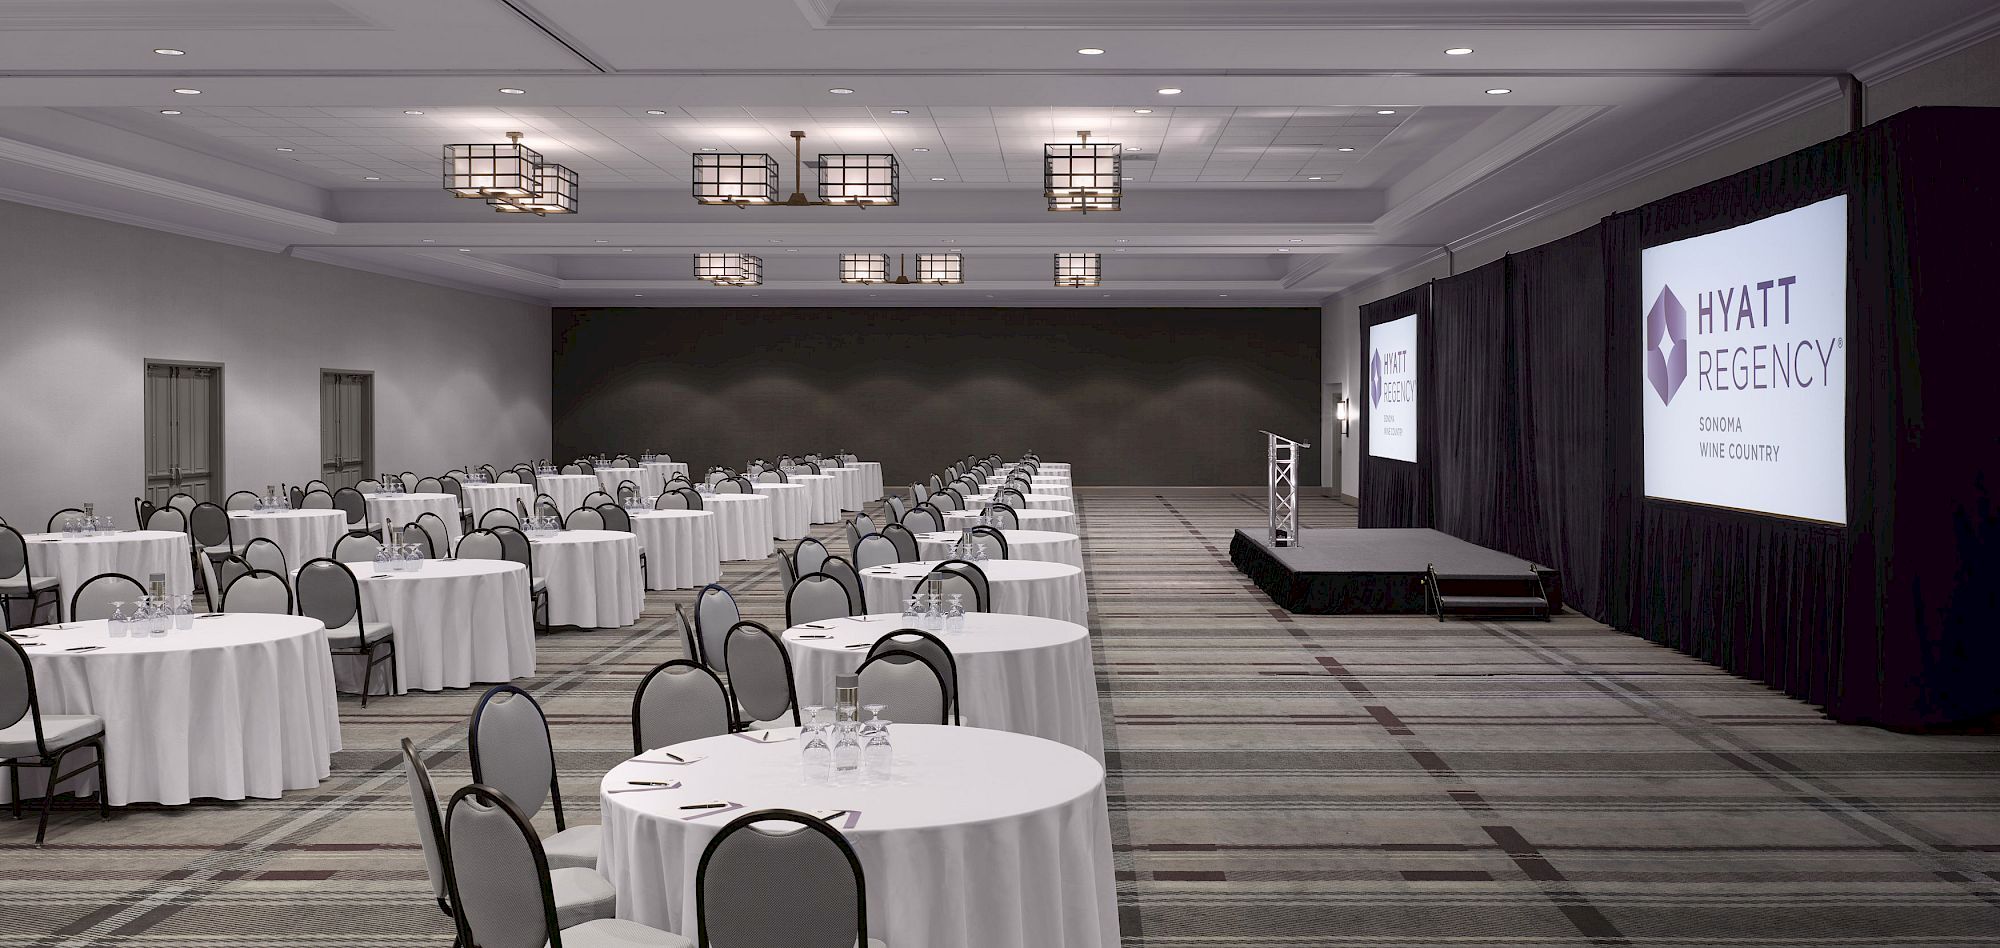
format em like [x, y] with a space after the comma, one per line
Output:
[119, 625]
[913, 614]
[184, 613]
[815, 756]
[846, 752]
[954, 618]
[877, 755]
[934, 619]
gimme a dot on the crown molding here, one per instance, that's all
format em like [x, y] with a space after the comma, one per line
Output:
[1968, 32]
[1294, 15]
[332, 259]
[1538, 134]
[134, 220]
[48, 159]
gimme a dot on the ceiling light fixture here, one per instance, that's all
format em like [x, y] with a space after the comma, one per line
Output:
[864, 268]
[170, 111]
[840, 91]
[937, 179]
[729, 269]
[372, 178]
[512, 91]
[413, 111]
[187, 91]
[899, 111]
[1459, 51]
[920, 149]
[1498, 91]
[1385, 111]
[744, 179]
[1142, 111]
[1090, 51]
[511, 178]
[1170, 90]
[1346, 149]
[171, 52]
[1079, 269]
[1081, 176]
[284, 149]
[1298, 240]
[1315, 178]
[656, 111]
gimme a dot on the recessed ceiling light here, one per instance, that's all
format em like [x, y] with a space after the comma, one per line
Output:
[656, 111]
[1121, 240]
[1385, 111]
[171, 52]
[920, 149]
[187, 91]
[1459, 51]
[1315, 178]
[638, 296]
[413, 111]
[465, 250]
[1142, 111]
[1090, 51]
[949, 240]
[1346, 149]
[1170, 90]
[430, 240]
[1298, 240]
[776, 240]
[626, 250]
[937, 179]
[841, 91]
[1128, 178]
[1223, 295]
[603, 241]
[791, 250]
[170, 111]
[1284, 250]
[511, 91]
[284, 149]
[372, 178]
[708, 149]
[1498, 91]
[1132, 148]
[1121, 250]
[893, 112]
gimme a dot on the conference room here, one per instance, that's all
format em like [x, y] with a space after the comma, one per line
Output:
[997, 474]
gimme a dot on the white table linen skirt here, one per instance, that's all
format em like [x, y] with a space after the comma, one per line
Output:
[608, 478]
[742, 524]
[239, 706]
[656, 474]
[871, 479]
[567, 490]
[682, 550]
[983, 839]
[593, 578]
[401, 510]
[824, 497]
[791, 511]
[1056, 521]
[301, 534]
[480, 498]
[1039, 487]
[1045, 545]
[849, 486]
[457, 623]
[1060, 502]
[1024, 674]
[136, 553]
[1019, 587]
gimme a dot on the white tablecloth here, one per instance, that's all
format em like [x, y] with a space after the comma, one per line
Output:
[1056, 521]
[401, 510]
[850, 486]
[136, 553]
[871, 478]
[567, 490]
[1019, 587]
[1060, 502]
[1054, 467]
[982, 838]
[824, 501]
[657, 474]
[791, 509]
[1040, 486]
[608, 478]
[239, 706]
[742, 524]
[1053, 480]
[301, 534]
[1045, 545]
[1024, 674]
[480, 498]
[593, 578]
[457, 622]
[682, 550]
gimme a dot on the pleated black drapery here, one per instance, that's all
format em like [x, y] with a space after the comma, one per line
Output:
[1477, 477]
[1398, 493]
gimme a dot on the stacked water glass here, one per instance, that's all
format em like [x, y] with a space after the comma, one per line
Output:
[845, 751]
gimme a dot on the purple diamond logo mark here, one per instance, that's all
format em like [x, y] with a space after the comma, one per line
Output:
[1375, 380]
[1666, 349]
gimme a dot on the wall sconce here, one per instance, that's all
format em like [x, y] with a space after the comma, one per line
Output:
[1342, 414]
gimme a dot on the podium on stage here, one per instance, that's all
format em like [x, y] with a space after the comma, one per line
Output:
[1282, 494]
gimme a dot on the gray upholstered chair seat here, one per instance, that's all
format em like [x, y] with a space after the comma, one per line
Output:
[582, 896]
[772, 724]
[538, 584]
[619, 933]
[573, 848]
[21, 584]
[58, 731]
[349, 635]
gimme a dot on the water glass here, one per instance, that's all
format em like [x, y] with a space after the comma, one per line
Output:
[815, 754]
[878, 757]
[846, 753]
[120, 623]
[184, 613]
[954, 618]
[913, 614]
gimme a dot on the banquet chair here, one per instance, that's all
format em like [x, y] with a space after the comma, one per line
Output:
[525, 475]
[616, 518]
[350, 502]
[772, 476]
[919, 493]
[896, 508]
[428, 485]
[1009, 520]
[514, 546]
[839, 568]
[825, 901]
[715, 613]
[210, 529]
[407, 480]
[1011, 497]
[584, 518]
[818, 596]
[170, 519]
[671, 500]
[624, 460]
[521, 508]
[141, 510]
[297, 496]
[499, 517]
[910, 683]
[448, 484]
[864, 524]
[181, 501]
[788, 572]
[967, 484]
[56, 517]
[853, 536]
[924, 518]
[29, 738]
[936, 483]
[677, 701]
[947, 500]
[240, 500]
[572, 469]
[811, 466]
[545, 506]
[265, 554]
[258, 591]
[961, 576]
[316, 500]
[760, 677]
[507, 477]
[876, 550]
[506, 891]
[328, 591]
[414, 534]
[585, 467]
[434, 530]
[729, 485]
[596, 497]
[511, 750]
[368, 485]
[991, 535]
[807, 555]
[480, 545]
[359, 546]
[926, 645]
[98, 596]
[626, 491]
[907, 550]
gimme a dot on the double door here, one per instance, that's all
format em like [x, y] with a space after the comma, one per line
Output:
[183, 431]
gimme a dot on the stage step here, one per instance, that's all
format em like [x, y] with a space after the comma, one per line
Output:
[1488, 596]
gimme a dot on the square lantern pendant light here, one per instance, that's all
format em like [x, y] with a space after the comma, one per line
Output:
[492, 171]
[1083, 176]
[858, 179]
[559, 187]
[729, 269]
[1079, 269]
[864, 268]
[738, 179]
[947, 269]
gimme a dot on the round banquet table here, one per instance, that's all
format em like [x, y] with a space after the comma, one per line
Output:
[1055, 521]
[823, 501]
[1041, 485]
[1019, 587]
[567, 490]
[1024, 674]
[301, 534]
[849, 487]
[593, 577]
[401, 510]
[742, 524]
[682, 550]
[608, 479]
[871, 475]
[1060, 468]
[1047, 546]
[791, 512]
[239, 706]
[981, 837]
[656, 474]
[480, 498]
[457, 622]
[1060, 502]
[136, 553]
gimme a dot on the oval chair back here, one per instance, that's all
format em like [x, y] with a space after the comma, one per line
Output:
[350, 502]
[908, 682]
[842, 570]
[501, 894]
[808, 555]
[258, 591]
[316, 500]
[209, 527]
[358, 546]
[876, 550]
[240, 500]
[584, 518]
[784, 851]
[670, 500]
[907, 549]
[1009, 520]
[430, 828]
[760, 675]
[993, 537]
[924, 518]
[499, 517]
[481, 545]
[678, 701]
[816, 597]
[95, 598]
[167, 518]
[511, 751]
[932, 649]
[715, 613]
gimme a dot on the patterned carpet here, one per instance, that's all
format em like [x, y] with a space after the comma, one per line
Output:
[1275, 780]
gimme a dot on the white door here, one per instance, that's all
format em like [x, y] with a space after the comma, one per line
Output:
[183, 431]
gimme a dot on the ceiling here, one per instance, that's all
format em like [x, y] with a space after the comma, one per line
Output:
[1313, 144]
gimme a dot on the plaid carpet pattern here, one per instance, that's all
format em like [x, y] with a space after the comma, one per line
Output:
[1275, 781]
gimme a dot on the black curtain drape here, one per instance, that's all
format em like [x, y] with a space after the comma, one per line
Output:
[1477, 479]
[1398, 493]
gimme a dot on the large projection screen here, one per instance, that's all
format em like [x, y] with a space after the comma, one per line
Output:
[1392, 389]
[1744, 370]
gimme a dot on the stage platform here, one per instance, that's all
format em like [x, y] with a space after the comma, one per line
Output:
[1367, 572]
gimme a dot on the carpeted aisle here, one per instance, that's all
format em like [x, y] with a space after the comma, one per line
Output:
[1276, 781]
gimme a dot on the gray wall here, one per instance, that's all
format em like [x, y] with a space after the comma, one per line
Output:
[1131, 396]
[84, 303]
